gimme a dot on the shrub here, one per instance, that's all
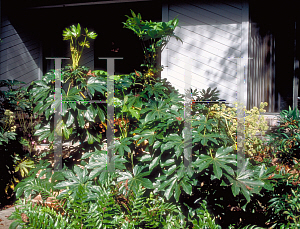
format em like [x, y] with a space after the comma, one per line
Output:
[17, 160]
[253, 125]
[285, 140]
[148, 190]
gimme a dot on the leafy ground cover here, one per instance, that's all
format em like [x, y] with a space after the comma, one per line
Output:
[150, 186]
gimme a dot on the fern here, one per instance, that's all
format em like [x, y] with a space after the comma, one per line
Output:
[155, 214]
[33, 217]
[201, 218]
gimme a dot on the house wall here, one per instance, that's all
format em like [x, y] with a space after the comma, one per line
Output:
[20, 52]
[212, 32]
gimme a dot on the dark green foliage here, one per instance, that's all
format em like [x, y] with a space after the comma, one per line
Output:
[152, 188]
[285, 141]
[15, 162]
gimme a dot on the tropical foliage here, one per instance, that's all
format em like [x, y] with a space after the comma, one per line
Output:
[151, 185]
[17, 161]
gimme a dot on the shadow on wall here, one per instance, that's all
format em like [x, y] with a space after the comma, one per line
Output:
[20, 48]
[211, 32]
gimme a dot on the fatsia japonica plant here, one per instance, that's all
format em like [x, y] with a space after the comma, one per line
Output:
[85, 203]
[154, 37]
[78, 118]
[79, 85]
[73, 34]
[161, 125]
[153, 114]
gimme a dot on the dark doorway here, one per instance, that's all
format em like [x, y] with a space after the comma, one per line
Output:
[273, 46]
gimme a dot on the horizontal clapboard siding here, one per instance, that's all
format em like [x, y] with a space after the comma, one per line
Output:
[212, 33]
[20, 53]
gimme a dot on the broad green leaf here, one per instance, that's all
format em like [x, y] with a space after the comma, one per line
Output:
[80, 119]
[59, 127]
[70, 119]
[154, 163]
[149, 135]
[177, 192]
[90, 138]
[101, 114]
[94, 84]
[202, 123]
[43, 132]
[220, 162]
[146, 157]
[136, 179]
[157, 111]
[186, 186]
[245, 182]
[37, 107]
[121, 146]
[170, 189]
[167, 162]
[135, 113]
[89, 114]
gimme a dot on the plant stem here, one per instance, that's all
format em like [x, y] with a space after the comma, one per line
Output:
[132, 161]
[69, 88]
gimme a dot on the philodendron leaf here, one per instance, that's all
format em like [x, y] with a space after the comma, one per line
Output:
[149, 135]
[95, 84]
[220, 162]
[70, 119]
[98, 164]
[146, 157]
[24, 165]
[137, 178]
[121, 146]
[43, 132]
[245, 181]
[154, 163]
[90, 113]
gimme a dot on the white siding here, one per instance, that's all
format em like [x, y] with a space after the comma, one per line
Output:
[211, 32]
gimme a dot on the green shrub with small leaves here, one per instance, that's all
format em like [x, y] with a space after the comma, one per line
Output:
[254, 123]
